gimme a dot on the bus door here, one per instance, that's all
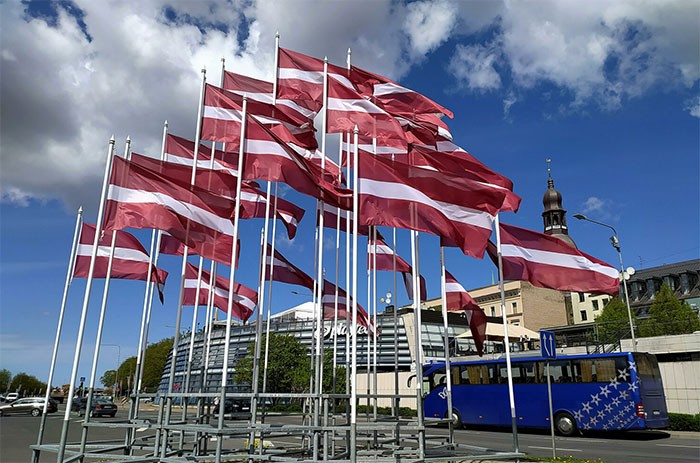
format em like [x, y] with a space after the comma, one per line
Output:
[651, 390]
[435, 394]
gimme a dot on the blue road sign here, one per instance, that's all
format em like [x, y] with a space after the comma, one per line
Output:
[548, 345]
[82, 379]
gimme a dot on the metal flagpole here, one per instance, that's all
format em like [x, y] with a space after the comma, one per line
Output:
[232, 281]
[448, 368]
[319, 275]
[98, 340]
[178, 320]
[353, 362]
[369, 318]
[190, 353]
[86, 302]
[511, 397]
[59, 328]
[145, 314]
[396, 400]
[258, 331]
[419, 344]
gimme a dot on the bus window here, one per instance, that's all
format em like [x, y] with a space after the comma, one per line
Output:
[647, 367]
[474, 373]
[583, 371]
[489, 374]
[518, 377]
[437, 378]
[605, 370]
[528, 371]
[559, 371]
[456, 377]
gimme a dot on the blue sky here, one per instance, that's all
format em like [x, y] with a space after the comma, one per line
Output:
[608, 90]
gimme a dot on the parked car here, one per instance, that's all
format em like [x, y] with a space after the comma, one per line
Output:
[11, 397]
[99, 406]
[234, 408]
[29, 405]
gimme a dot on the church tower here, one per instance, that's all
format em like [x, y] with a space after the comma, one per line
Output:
[554, 215]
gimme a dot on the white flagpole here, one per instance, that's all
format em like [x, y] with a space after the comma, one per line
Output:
[369, 338]
[59, 328]
[178, 320]
[145, 313]
[98, 340]
[232, 282]
[418, 339]
[353, 362]
[193, 328]
[446, 344]
[511, 396]
[86, 301]
[258, 329]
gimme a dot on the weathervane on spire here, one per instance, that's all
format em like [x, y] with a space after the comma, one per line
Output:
[549, 170]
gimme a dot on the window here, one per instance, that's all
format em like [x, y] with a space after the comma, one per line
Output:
[581, 297]
[595, 305]
[493, 311]
[559, 371]
[514, 305]
[584, 316]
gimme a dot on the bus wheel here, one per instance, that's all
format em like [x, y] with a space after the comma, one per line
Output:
[456, 420]
[565, 424]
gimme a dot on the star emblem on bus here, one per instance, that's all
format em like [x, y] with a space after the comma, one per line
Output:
[614, 383]
[587, 407]
[623, 375]
[604, 391]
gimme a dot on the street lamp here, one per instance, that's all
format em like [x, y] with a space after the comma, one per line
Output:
[615, 242]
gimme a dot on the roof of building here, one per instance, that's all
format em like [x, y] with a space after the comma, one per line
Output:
[667, 269]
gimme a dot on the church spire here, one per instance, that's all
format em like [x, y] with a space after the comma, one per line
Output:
[554, 215]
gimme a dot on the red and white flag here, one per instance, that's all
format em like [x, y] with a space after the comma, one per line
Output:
[385, 261]
[180, 150]
[347, 109]
[300, 76]
[458, 299]
[392, 97]
[141, 198]
[548, 262]
[130, 260]
[466, 166]
[330, 220]
[267, 157]
[458, 210]
[219, 251]
[244, 298]
[223, 115]
[328, 301]
[260, 90]
[286, 272]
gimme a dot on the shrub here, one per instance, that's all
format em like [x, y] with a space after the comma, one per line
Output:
[684, 422]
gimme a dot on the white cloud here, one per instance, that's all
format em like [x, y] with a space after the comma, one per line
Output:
[429, 24]
[603, 52]
[693, 106]
[474, 67]
[597, 205]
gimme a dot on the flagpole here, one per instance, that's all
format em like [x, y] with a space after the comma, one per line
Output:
[369, 317]
[353, 363]
[269, 298]
[448, 370]
[234, 250]
[351, 184]
[145, 313]
[511, 396]
[258, 333]
[86, 301]
[319, 290]
[69, 278]
[176, 337]
[419, 346]
[190, 353]
[374, 338]
[98, 339]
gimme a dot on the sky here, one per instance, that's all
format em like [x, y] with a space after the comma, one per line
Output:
[608, 90]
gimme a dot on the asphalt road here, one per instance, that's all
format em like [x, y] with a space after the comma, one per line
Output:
[17, 433]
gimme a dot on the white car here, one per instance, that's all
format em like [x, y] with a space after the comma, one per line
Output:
[11, 397]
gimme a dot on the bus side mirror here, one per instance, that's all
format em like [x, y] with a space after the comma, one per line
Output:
[408, 382]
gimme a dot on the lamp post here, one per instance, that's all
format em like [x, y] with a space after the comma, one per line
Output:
[119, 359]
[615, 242]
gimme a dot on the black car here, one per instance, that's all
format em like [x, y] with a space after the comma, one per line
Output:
[99, 406]
[234, 408]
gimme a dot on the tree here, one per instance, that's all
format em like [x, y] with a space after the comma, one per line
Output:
[27, 384]
[288, 366]
[5, 379]
[109, 378]
[154, 362]
[668, 316]
[613, 323]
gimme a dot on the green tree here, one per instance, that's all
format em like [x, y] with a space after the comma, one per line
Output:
[109, 378]
[154, 362]
[668, 315]
[288, 365]
[5, 379]
[613, 323]
[126, 373]
[27, 384]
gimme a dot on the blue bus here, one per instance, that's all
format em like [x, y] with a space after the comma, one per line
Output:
[606, 392]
